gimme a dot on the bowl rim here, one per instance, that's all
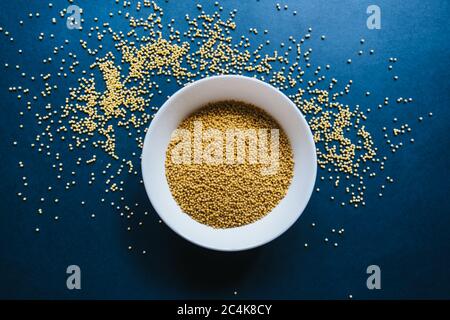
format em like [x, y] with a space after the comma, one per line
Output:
[160, 113]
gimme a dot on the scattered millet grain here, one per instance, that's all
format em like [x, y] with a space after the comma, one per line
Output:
[118, 90]
[229, 195]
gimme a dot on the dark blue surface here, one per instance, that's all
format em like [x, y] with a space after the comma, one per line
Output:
[406, 232]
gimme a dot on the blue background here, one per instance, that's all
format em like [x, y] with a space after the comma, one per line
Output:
[406, 232]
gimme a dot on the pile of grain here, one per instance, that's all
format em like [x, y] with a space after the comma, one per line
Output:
[229, 195]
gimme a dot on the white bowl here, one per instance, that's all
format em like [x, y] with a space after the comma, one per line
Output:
[249, 90]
